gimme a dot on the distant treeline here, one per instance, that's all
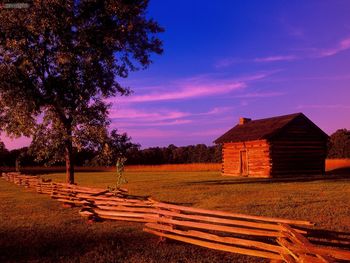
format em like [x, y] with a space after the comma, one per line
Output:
[199, 153]
[338, 147]
[339, 144]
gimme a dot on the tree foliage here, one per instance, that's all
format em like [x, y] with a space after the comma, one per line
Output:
[60, 60]
[339, 144]
[115, 145]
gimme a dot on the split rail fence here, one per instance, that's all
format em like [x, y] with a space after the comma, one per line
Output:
[280, 240]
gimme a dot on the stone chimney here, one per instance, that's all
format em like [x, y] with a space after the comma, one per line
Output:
[243, 120]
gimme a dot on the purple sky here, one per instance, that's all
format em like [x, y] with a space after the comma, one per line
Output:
[226, 59]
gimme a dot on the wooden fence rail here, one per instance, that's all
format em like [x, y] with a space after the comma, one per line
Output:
[280, 240]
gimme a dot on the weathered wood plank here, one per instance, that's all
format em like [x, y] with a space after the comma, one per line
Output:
[235, 215]
[212, 245]
[213, 227]
[306, 245]
[212, 237]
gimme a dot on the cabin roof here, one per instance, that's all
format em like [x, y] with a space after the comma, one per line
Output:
[262, 129]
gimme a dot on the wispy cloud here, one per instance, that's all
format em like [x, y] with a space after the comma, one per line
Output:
[188, 90]
[162, 127]
[180, 136]
[260, 95]
[341, 46]
[191, 88]
[128, 113]
[302, 53]
[147, 122]
[317, 52]
[150, 117]
[225, 62]
[154, 123]
[276, 58]
[217, 110]
[257, 76]
[323, 106]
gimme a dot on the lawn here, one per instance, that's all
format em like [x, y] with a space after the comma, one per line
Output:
[35, 228]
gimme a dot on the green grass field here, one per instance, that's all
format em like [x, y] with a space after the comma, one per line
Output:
[35, 228]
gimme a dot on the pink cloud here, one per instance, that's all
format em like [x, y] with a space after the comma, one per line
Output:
[170, 136]
[153, 124]
[276, 58]
[190, 88]
[218, 110]
[158, 134]
[149, 114]
[188, 91]
[341, 46]
[151, 117]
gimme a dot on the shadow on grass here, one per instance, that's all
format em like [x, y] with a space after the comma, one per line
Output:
[334, 175]
[329, 238]
[51, 170]
[109, 246]
[57, 244]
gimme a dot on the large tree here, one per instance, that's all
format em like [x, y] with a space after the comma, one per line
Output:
[60, 60]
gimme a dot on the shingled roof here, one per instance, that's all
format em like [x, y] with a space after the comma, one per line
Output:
[260, 129]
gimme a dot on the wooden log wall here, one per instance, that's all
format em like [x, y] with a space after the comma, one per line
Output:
[298, 150]
[266, 237]
[257, 158]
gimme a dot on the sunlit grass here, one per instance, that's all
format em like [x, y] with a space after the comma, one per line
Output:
[291, 199]
[34, 227]
[176, 167]
[331, 164]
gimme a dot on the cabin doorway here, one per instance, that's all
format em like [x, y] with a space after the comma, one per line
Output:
[243, 161]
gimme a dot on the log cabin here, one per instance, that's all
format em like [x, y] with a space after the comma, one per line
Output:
[289, 145]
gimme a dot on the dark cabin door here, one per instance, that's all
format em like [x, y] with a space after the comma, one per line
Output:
[243, 163]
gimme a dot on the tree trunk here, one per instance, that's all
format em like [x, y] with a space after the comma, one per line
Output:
[68, 142]
[69, 162]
